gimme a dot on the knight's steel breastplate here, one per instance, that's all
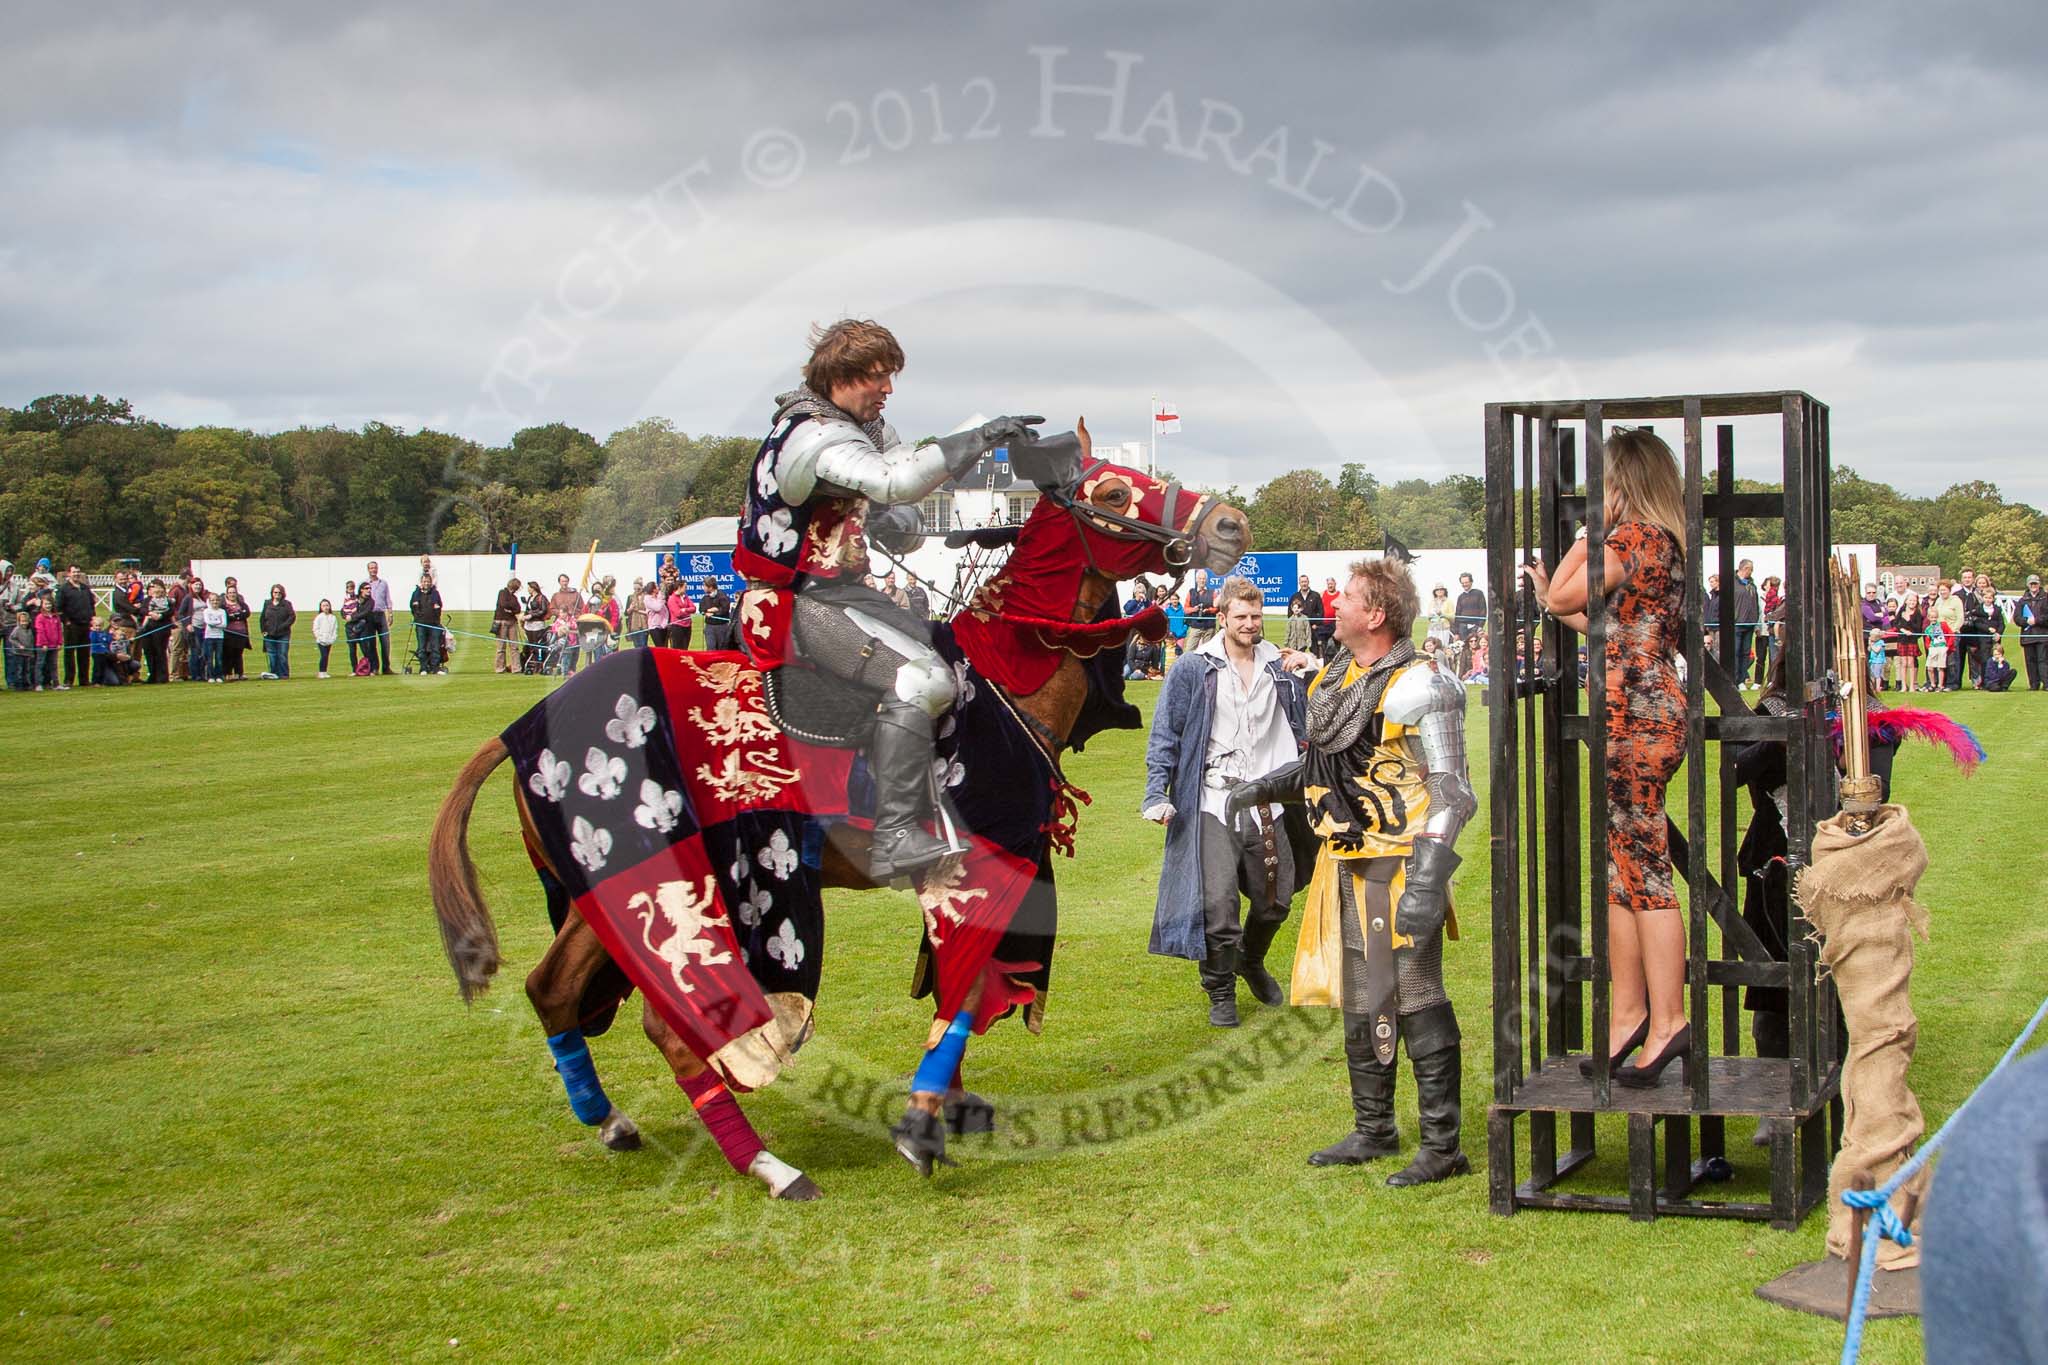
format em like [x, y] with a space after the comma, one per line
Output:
[783, 543]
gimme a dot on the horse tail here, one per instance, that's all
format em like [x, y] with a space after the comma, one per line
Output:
[467, 932]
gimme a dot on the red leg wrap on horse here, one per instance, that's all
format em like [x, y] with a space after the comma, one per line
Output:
[722, 1117]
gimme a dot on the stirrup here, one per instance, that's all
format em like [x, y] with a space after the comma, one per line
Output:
[889, 862]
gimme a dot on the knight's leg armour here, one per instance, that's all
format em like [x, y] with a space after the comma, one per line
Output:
[914, 686]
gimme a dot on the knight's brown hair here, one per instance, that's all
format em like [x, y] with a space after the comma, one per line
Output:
[1390, 587]
[849, 350]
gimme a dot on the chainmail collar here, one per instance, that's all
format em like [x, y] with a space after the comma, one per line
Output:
[1338, 715]
[809, 403]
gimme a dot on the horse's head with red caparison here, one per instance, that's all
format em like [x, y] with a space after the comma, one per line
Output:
[1121, 523]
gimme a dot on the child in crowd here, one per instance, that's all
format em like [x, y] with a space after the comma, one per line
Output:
[98, 639]
[214, 626]
[1937, 655]
[1177, 625]
[564, 632]
[122, 665]
[1477, 671]
[678, 614]
[21, 655]
[1998, 674]
[49, 640]
[361, 626]
[326, 629]
[351, 607]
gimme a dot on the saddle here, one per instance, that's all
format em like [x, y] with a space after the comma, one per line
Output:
[834, 713]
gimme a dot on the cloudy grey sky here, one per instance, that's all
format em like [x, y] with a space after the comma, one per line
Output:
[481, 217]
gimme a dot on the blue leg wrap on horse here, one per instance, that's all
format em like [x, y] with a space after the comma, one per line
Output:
[936, 1071]
[579, 1077]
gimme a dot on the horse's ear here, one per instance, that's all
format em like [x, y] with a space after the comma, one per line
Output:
[1087, 445]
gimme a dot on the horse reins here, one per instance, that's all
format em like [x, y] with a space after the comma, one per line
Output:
[1177, 542]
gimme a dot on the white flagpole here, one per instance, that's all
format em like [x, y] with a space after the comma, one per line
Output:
[1152, 423]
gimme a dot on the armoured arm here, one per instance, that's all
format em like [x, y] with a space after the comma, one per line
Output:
[1433, 705]
[839, 454]
[1452, 801]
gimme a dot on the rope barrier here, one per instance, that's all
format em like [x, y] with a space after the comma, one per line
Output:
[1884, 1219]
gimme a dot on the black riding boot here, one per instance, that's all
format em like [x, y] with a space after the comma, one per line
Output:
[1372, 1102]
[900, 757]
[1258, 937]
[1219, 979]
[1437, 1074]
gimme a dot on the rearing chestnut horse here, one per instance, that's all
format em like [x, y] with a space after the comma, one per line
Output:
[706, 897]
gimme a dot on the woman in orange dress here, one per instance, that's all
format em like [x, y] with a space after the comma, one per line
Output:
[1644, 585]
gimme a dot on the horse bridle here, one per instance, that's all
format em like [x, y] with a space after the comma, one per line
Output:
[1177, 543]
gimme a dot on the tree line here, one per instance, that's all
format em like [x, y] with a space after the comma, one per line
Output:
[88, 480]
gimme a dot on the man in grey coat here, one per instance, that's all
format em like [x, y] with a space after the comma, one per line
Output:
[1229, 712]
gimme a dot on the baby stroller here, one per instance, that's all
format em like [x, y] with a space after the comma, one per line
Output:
[533, 659]
[433, 658]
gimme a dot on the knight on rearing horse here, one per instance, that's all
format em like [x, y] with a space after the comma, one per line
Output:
[688, 859]
[803, 548]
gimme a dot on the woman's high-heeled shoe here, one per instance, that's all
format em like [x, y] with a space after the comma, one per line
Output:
[1628, 1045]
[1679, 1049]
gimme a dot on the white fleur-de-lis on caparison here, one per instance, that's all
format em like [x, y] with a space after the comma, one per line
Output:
[549, 779]
[589, 844]
[658, 809]
[779, 858]
[948, 772]
[785, 947]
[631, 722]
[764, 480]
[603, 775]
[751, 908]
[775, 532]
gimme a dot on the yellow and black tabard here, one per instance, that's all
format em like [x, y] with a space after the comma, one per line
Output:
[1372, 797]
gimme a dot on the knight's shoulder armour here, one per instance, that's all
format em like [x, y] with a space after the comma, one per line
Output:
[796, 463]
[1418, 690]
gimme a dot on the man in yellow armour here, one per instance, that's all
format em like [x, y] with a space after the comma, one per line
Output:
[1387, 789]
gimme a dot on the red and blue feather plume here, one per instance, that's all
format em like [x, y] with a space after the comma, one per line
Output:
[1895, 724]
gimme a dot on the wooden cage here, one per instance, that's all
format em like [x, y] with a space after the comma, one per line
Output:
[1549, 772]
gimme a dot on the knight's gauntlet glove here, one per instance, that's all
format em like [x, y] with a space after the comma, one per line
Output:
[963, 449]
[1426, 899]
[1281, 786]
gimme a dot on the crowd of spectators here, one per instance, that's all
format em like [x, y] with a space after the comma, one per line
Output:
[151, 631]
[1955, 636]
[162, 630]
[175, 630]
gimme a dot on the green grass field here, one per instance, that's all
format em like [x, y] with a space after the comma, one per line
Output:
[248, 1117]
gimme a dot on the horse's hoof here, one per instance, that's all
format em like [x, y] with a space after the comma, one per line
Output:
[619, 1133]
[920, 1139]
[968, 1113]
[803, 1189]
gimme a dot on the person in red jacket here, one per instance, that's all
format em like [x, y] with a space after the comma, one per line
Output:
[680, 610]
[1323, 633]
